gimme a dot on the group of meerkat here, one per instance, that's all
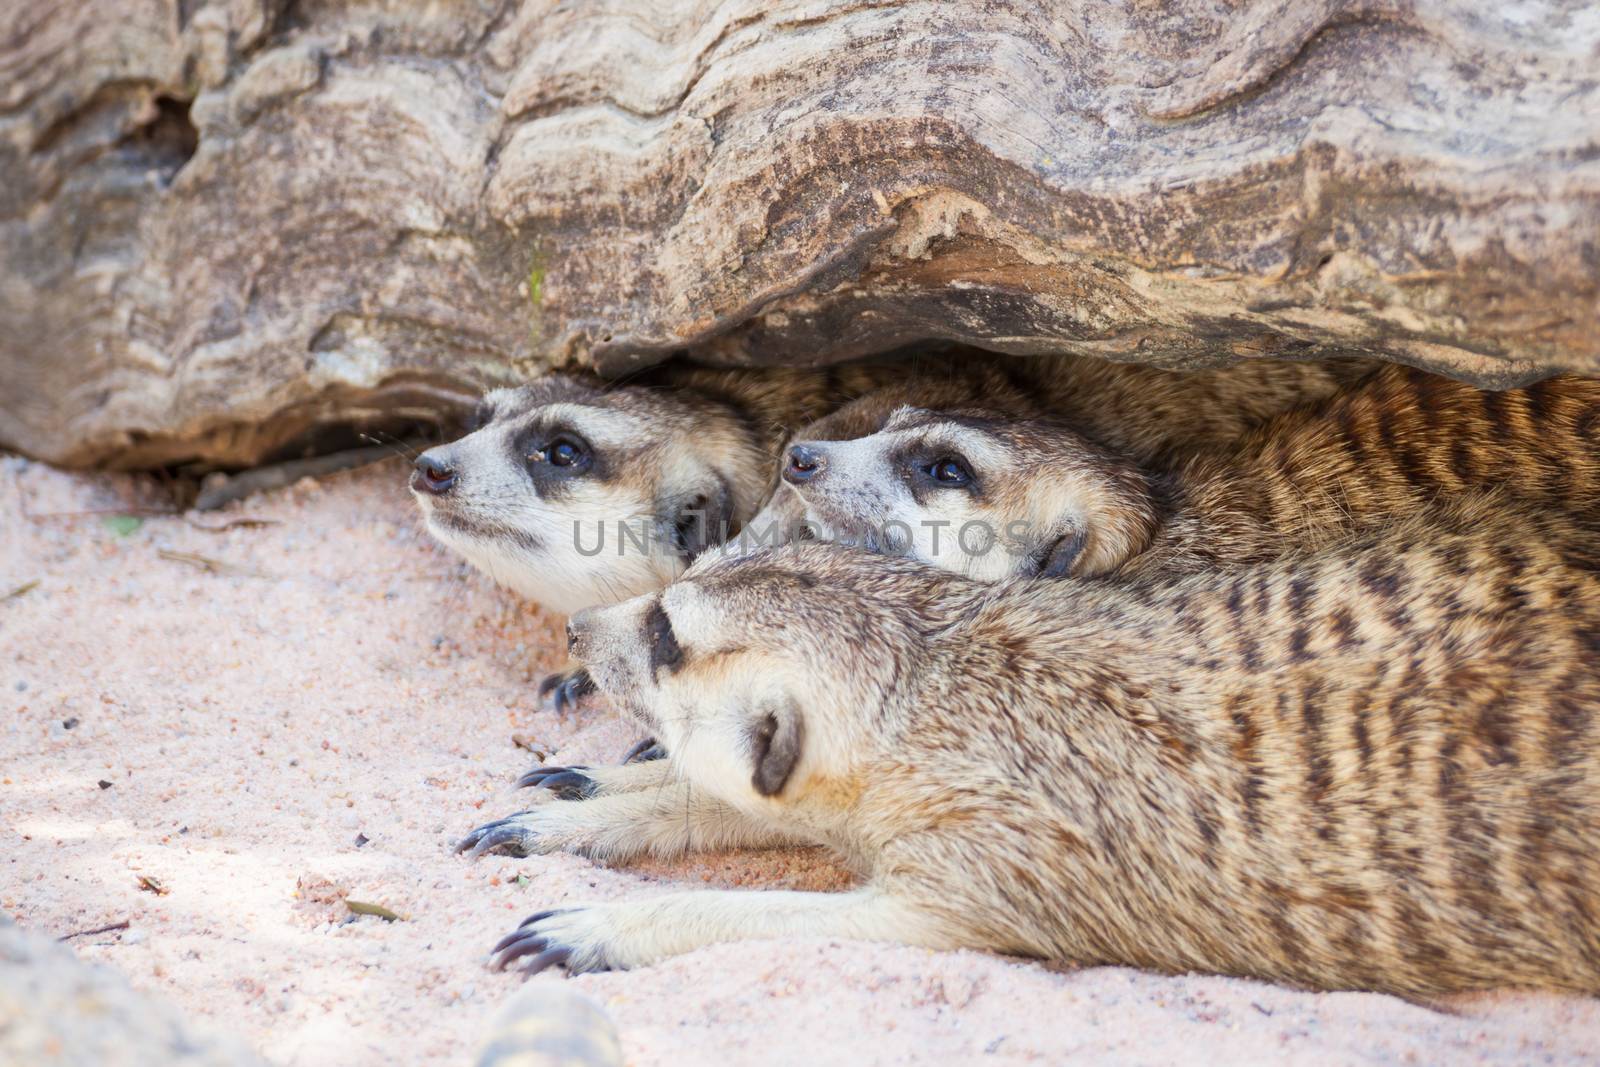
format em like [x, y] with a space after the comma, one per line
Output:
[1284, 670]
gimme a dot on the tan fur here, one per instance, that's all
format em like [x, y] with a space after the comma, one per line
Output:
[1377, 450]
[1137, 410]
[1377, 767]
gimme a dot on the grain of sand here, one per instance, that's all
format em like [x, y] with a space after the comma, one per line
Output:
[325, 715]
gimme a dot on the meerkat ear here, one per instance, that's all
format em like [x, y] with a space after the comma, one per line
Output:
[1113, 522]
[1056, 559]
[775, 748]
[704, 521]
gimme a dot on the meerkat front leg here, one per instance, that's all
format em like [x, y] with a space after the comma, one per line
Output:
[665, 822]
[602, 937]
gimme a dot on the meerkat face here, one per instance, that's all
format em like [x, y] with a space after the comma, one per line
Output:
[768, 676]
[573, 494]
[977, 494]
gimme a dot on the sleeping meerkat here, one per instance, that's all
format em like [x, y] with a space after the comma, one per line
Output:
[1371, 768]
[995, 496]
[575, 492]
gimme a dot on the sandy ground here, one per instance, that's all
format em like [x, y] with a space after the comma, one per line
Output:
[323, 717]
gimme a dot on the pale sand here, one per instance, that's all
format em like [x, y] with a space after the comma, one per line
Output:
[360, 681]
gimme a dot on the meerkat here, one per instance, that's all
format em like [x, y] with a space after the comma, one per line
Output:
[995, 496]
[1374, 767]
[576, 492]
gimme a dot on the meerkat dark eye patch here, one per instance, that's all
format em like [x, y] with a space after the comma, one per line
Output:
[665, 653]
[554, 456]
[1055, 560]
[775, 748]
[928, 470]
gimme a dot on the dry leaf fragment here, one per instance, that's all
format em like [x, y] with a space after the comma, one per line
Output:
[361, 907]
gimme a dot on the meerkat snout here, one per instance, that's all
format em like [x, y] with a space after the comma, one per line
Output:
[434, 472]
[589, 631]
[620, 644]
[803, 462]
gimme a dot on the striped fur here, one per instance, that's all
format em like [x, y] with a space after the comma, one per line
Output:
[1375, 767]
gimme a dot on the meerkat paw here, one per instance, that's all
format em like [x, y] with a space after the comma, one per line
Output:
[516, 835]
[565, 689]
[579, 939]
[586, 783]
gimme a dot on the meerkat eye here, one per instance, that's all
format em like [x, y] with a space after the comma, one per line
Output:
[949, 470]
[564, 452]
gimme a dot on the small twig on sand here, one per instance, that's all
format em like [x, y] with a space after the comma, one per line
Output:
[123, 925]
[204, 562]
[215, 566]
[21, 590]
[232, 524]
[282, 474]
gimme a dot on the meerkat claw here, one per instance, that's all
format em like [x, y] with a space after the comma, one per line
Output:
[567, 783]
[554, 938]
[528, 943]
[542, 776]
[548, 958]
[495, 835]
[497, 838]
[645, 751]
[472, 837]
[564, 690]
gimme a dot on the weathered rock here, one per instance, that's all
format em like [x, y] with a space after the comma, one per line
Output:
[57, 1010]
[226, 225]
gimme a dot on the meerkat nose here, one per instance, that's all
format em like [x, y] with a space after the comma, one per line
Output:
[577, 628]
[803, 463]
[433, 473]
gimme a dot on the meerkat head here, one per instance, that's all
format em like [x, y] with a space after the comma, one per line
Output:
[574, 493]
[977, 493]
[766, 675]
